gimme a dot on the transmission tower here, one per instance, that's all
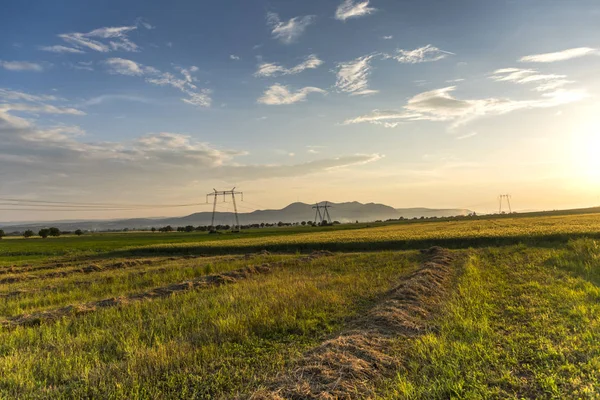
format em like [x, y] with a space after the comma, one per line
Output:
[215, 194]
[500, 200]
[322, 216]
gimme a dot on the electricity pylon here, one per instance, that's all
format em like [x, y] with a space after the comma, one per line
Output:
[325, 213]
[225, 193]
[500, 198]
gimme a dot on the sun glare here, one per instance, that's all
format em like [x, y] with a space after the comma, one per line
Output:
[586, 152]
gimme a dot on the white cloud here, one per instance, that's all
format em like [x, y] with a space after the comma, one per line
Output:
[353, 9]
[427, 53]
[81, 65]
[279, 94]
[544, 82]
[467, 135]
[40, 108]
[352, 76]
[272, 69]
[54, 160]
[560, 55]
[390, 37]
[121, 66]
[288, 32]
[234, 57]
[61, 49]
[440, 105]
[102, 40]
[16, 95]
[195, 96]
[21, 66]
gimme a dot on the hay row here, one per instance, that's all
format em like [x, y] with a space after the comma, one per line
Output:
[204, 282]
[19, 272]
[349, 365]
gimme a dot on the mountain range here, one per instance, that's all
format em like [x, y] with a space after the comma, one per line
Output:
[295, 212]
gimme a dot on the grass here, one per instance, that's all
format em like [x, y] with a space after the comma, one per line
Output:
[223, 342]
[522, 323]
[521, 320]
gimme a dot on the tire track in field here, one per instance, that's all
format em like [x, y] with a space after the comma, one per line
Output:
[349, 365]
[204, 282]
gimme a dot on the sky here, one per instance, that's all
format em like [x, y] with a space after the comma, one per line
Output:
[140, 105]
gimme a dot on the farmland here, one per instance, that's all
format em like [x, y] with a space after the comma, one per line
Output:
[510, 309]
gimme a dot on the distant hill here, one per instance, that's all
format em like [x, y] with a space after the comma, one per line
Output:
[295, 212]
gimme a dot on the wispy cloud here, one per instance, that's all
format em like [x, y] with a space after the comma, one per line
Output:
[61, 49]
[234, 57]
[33, 103]
[352, 76]
[423, 54]
[440, 105]
[8, 94]
[55, 160]
[40, 108]
[122, 66]
[195, 96]
[272, 69]
[279, 94]
[353, 9]
[81, 65]
[21, 66]
[544, 82]
[288, 32]
[103, 40]
[467, 135]
[390, 37]
[560, 55]
[112, 97]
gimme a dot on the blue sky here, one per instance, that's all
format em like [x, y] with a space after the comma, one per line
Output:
[429, 103]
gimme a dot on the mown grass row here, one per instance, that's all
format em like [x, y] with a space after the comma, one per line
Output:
[218, 343]
[37, 295]
[522, 323]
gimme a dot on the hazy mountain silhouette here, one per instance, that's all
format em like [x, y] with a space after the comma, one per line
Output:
[295, 212]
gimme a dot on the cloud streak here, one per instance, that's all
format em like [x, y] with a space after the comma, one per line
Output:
[195, 96]
[21, 66]
[272, 69]
[353, 76]
[560, 55]
[288, 32]
[544, 82]
[279, 94]
[423, 54]
[440, 105]
[353, 9]
[102, 40]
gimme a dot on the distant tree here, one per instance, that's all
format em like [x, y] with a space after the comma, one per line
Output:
[303, 223]
[262, 224]
[28, 233]
[153, 229]
[78, 232]
[2, 234]
[54, 232]
[180, 229]
[189, 228]
[280, 223]
[44, 233]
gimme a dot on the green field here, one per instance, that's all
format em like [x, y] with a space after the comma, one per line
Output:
[511, 310]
